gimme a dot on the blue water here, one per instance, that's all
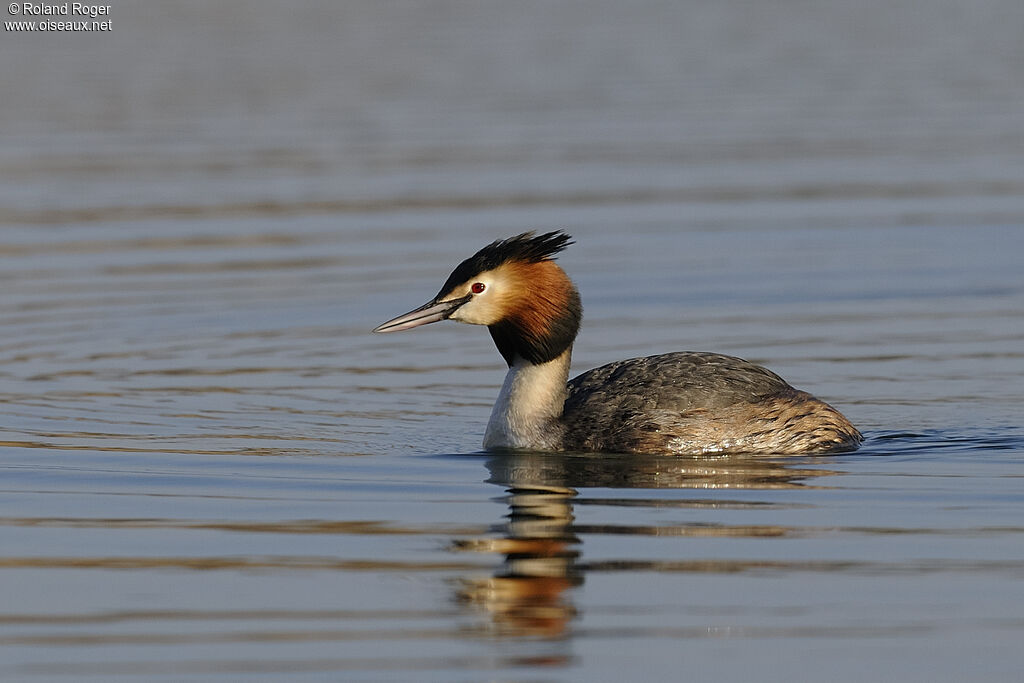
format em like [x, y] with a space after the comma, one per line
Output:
[211, 470]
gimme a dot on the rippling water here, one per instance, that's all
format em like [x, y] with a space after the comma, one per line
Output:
[211, 470]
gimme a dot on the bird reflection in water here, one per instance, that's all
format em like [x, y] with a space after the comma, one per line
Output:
[528, 594]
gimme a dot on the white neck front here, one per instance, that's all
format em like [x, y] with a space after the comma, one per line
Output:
[526, 413]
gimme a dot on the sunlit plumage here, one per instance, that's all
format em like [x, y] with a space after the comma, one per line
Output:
[676, 403]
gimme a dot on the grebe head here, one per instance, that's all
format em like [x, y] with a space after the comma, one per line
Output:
[514, 287]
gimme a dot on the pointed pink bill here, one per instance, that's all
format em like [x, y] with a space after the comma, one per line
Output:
[430, 312]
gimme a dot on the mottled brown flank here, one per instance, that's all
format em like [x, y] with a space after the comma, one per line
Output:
[694, 402]
[795, 422]
[789, 424]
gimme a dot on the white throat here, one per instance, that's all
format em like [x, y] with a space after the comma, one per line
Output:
[527, 410]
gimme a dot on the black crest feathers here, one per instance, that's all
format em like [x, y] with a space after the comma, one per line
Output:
[526, 247]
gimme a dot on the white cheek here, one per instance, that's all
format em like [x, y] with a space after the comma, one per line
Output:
[470, 313]
[479, 311]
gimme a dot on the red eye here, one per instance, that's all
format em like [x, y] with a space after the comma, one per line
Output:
[478, 287]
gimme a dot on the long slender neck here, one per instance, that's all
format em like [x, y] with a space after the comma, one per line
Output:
[527, 412]
[535, 338]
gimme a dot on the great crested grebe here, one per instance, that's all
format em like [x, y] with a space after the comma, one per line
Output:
[680, 403]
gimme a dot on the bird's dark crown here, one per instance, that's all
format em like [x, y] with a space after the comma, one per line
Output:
[527, 247]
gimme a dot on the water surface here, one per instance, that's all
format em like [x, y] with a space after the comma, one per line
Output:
[212, 471]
